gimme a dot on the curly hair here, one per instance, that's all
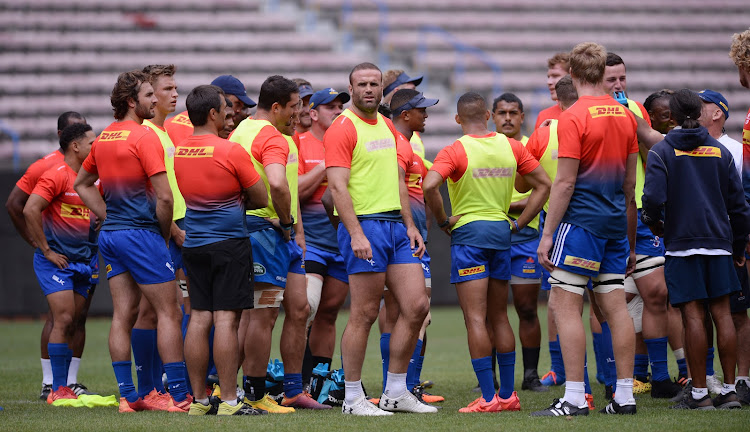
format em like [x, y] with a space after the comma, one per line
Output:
[127, 87]
[739, 52]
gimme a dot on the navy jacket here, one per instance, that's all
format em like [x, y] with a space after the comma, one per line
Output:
[691, 177]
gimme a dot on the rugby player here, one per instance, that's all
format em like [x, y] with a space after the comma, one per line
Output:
[592, 221]
[17, 199]
[305, 92]
[137, 219]
[480, 169]
[557, 67]
[378, 239]
[58, 223]
[219, 183]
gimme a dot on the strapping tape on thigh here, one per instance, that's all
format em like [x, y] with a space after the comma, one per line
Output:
[558, 282]
[618, 281]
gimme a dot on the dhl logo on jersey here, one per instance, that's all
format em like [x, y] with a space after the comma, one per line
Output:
[746, 137]
[292, 158]
[73, 211]
[182, 119]
[700, 151]
[194, 152]
[114, 136]
[471, 271]
[491, 172]
[414, 180]
[607, 111]
[582, 263]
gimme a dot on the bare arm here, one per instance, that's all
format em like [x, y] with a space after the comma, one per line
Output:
[415, 238]
[327, 200]
[628, 188]
[256, 196]
[562, 190]
[164, 202]
[299, 232]
[280, 195]
[90, 195]
[647, 136]
[32, 212]
[310, 181]
[177, 234]
[15, 204]
[338, 179]
[518, 206]
[433, 199]
[540, 183]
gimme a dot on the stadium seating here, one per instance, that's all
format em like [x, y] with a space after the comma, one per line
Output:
[63, 55]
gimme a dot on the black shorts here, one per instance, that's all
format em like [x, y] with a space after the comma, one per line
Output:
[739, 301]
[220, 276]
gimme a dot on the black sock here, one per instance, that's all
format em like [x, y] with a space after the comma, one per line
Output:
[530, 358]
[255, 387]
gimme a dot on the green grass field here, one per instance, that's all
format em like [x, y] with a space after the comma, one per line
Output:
[447, 364]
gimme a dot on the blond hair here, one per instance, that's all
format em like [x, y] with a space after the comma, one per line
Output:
[587, 62]
[739, 52]
[155, 71]
[390, 76]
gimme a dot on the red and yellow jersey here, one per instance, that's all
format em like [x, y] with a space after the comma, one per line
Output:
[415, 172]
[124, 156]
[179, 128]
[600, 133]
[551, 113]
[66, 219]
[318, 229]
[212, 173]
[34, 171]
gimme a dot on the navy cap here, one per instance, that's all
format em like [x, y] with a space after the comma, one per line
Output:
[418, 101]
[711, 96]
[233, 86]
[325, 96]
[305, 90]
[402, 79]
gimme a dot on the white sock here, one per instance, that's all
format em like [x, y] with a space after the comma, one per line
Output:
[727, 388]
[75, 362]
[203, 401]
[352, 391]
[396, 385]
[46, 372]
[742, 378]
[232, 402]
[699, 393]
[575, 393]
[679, 354]
[624, 393]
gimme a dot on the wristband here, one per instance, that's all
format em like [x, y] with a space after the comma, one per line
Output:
[516, 225]
[444, 224]
[287, 227]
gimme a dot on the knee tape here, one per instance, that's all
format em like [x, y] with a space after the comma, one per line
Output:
[645, 265]
[635, 309]
[608, 282]
[314, 291]
[630, 287]
[515, 280]
[568, 281]
[182, 285]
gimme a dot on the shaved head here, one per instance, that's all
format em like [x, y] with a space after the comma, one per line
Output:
[472, 107]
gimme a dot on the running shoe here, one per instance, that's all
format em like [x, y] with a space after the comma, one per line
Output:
[562, 408]
[689, 403]
[615, 408]
[479, 405]
[714, 384]
[46, 390]
[80, 389]
[407, 402]
[551, 379]
[240, 409]
[303, 401]
[362, 407]
[62, 392]
[727, 401]
[129, 407]
[269, 404]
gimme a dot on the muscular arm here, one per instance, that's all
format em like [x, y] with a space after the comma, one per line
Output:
[256, 196]
[90, 195]
[415, 238]
[15, 204]
[32, 212]
[433, 199]
[280, 195]
[518, 206]
[164, 202]
[338, 179]
[562, 190]
[647, 136]
[310, 181]
[540, 183]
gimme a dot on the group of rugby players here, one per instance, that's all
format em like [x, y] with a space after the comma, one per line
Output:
[210, 220]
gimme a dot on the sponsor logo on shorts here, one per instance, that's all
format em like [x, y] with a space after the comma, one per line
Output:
[491, 172]
[700, 151]
[114, 136]
[169, 266]
[281, 279]
[182, 119]
[57, 279]
[108, 268]
[194, 152]
[73, 211]
[380, 144]
[259, 269]
[471, 271]
[582, 263]
[607, 111]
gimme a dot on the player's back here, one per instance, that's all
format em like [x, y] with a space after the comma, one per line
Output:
[35, 170]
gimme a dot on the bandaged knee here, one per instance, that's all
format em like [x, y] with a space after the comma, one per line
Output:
[314, 291]
[645, 265]
[635, 309]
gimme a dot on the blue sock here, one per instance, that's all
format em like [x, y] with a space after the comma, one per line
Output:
[657, 354]
[292, 384]
[710, 361]
[586, 382]
[385, 355]
[506, 363]
[157, 367]
[143, 343]
[640, 367]
[58, 354]
[124, 377]
[597, 340]
[556, 359]
[608, 357]
[483, 370]
[211, 365]
[176, 380]
[420, 362]
[68, 359]
[412, 379]
[682, 367]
